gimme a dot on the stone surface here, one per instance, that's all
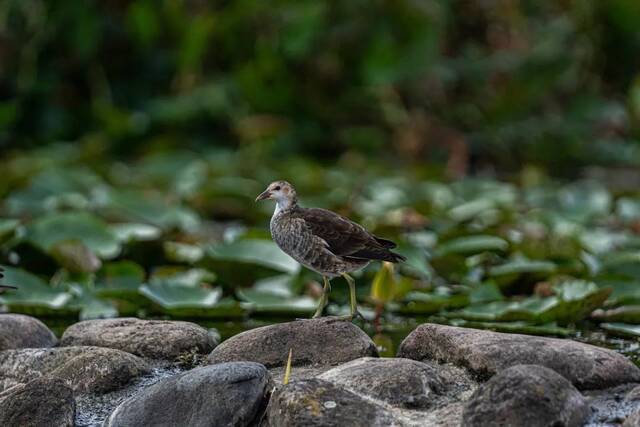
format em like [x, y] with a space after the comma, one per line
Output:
[84, 369]
[227, 394]
[633, 395]
[315, 402]
[154, 339]
[41, 402]
[526, 395]
[399, 382]
[323, 341]
[20, 331]
[486, 353]
[632, 420]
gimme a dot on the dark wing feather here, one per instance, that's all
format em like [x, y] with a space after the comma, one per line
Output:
[346, 238]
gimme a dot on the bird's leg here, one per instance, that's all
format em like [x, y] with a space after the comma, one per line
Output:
[323, 299]
[353, 301]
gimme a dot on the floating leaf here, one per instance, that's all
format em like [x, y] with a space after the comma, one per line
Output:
[624, 314]
[132, 232]
[52, 229]
[183, 252]
[270, 303]
[172, 297]
[33, 294]
[472, 244]
[254, 251]
[75, 257]
[622, 329]
[429, 303]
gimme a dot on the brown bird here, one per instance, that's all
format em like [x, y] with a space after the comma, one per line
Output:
[2, 287]
[324, 241]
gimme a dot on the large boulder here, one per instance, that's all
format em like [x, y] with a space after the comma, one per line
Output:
[41, 402]
[486, 353]
[154, 339]
[227, 394]
[83, 369]
[315, 402]
[526, 395]
[324, 341]
[20, 331]
[399, 382]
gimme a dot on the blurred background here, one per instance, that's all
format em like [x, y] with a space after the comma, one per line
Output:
[498, 141]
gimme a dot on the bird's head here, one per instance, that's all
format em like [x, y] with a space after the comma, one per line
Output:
[280, 191]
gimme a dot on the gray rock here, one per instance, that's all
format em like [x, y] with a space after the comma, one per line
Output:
[486, 353]
[314, 402]
[526, 395]
[399, 382]
[632, 420]
[41, 402]
[323, 341]
[227, 394]
[84, 369]
[19, 331]
[633, 395]
[154, 339]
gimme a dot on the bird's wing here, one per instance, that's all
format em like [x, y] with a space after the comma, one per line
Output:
[343, 236]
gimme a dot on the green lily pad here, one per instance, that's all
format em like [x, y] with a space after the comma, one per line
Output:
[622, 329]
[171, 296]
[574, 301]
[84, 227]
[178, 276]
[135, 232]
[269, 303]
[119, 278]
[89, 304]
[254, 251]
[429, 302]
[33, 295]
[183, 252]
[517, 327]
[471, 245]
[75, 257]
[624, 314]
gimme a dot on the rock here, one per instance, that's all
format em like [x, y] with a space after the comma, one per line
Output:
[84, 369]
[399, 382]
[633, 395]
[632, 420]
[315, 402]
[486, 353]
[19, 331]
[227, 394]
[526, 395]
[323, 341]
[154, 339]
[41, 402]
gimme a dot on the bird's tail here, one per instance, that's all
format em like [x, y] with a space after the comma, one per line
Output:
[394, 257]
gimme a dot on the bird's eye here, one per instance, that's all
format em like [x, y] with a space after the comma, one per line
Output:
[277, 188]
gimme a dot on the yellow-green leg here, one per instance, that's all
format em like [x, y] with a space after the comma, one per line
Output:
[352, 297]
[324, 298]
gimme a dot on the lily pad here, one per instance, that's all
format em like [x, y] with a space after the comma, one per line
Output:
[624, 314]
[84, 227]
[472, 244]
[183, 252]
[170, 296]
[622, 329]
[255, 251]
[430, 302]
[33, 295]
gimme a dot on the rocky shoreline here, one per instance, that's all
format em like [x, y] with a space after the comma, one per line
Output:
[123, 372]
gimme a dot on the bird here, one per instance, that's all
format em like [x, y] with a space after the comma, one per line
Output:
[3, 287]
[324, 241]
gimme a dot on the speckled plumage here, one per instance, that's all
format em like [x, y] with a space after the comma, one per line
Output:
[323, 241]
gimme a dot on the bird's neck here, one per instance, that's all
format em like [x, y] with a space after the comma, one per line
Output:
[283, 205]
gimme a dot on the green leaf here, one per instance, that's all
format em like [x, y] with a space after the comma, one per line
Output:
[624, 314]
[521, 266]
[178, 276]
[471, 245]
[75, 257]
[120, 277]
[383, 287]
[253, 251]
[264, 302]
[32, 292]
[84, 227]
[171, 296]
[183, 252]
[430, 302]
[622, 329]
[133, 232]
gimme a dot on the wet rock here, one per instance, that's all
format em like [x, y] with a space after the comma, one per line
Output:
[486, 353]
[399, 382]
[229, 394]
[154, 339]
[84, 369]
[315, 402]
[610, 406]
[19, 331]
[41, 402]
[324, 341]
[526, 395]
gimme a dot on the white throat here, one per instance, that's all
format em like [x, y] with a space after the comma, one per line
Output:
[282, 203]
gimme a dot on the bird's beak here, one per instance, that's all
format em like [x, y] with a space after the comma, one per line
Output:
[264, 195]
